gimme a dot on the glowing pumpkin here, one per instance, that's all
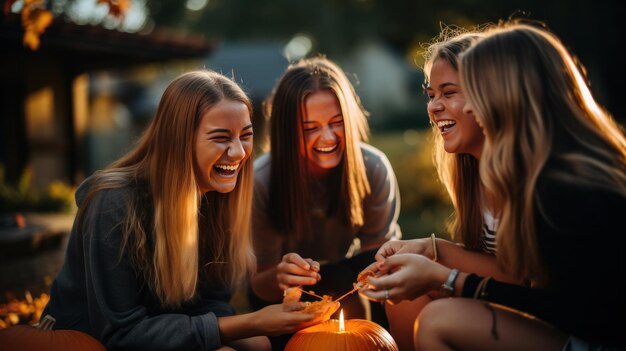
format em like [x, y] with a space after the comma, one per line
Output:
[358, 334]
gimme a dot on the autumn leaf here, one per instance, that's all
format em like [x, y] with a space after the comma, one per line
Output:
[36, 18]
[35, 25]
[28, 310]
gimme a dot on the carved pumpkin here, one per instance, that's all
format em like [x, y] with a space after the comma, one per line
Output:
[359, 335]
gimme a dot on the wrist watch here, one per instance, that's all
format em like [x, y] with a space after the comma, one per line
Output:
[447, 288]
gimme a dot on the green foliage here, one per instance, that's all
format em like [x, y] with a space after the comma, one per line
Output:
[23, 197]
[425, 203]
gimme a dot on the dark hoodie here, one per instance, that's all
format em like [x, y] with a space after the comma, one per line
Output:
[99, 292]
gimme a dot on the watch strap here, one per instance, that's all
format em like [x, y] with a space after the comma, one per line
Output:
[447, 288]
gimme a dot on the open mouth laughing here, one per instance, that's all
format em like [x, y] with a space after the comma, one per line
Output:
[326, 150]
[226, 170]
[445, 125]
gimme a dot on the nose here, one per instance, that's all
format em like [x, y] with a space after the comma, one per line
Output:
[328, 135]
[236, 151]
[434, 105]
[468, 108]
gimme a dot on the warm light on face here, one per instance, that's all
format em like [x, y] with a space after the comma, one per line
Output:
[324, 132]
[342, 326]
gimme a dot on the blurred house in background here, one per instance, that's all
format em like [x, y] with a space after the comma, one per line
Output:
[45, 104]
[388, 86]
[256, 66]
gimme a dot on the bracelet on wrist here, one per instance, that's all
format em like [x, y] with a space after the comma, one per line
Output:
[434, 242]
[447, 288]
[480, 292]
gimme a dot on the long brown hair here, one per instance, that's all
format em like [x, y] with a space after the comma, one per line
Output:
[458, 172]
[289, 176]
[534, 105]
[163, 242]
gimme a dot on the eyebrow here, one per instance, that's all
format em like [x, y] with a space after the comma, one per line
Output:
[222, 130]
[443, 85]
[337, 115]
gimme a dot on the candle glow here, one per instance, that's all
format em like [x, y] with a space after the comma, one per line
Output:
[342, 326]
[342, 335]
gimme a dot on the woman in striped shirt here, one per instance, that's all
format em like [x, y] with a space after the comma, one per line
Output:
[458, 146]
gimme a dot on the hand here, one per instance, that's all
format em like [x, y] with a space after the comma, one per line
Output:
[294, 270]
[416, 246]
[281, 319]
[404, 277]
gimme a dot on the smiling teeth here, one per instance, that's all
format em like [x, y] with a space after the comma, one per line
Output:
[228, 167]
[326, 149]
[442, 124]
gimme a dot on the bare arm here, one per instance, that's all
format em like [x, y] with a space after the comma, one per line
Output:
[449, 254]
[456, 256]
[265, 285]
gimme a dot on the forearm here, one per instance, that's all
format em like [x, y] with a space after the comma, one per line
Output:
[456, 256]
[265, 286]
[238, 327]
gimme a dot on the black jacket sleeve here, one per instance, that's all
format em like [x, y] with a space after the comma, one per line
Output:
[580, 232]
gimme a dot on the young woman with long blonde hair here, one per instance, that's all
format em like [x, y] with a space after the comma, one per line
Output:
[458, 147]
[162, 235]
[554, 163]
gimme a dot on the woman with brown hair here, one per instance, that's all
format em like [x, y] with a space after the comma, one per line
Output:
[324, 201]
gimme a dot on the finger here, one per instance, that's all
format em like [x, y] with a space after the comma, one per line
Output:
[296, 270]
[311, 321]
[286, 280]
[285, 268]
[297, 260]
[369, 294]
[372, 267]
[315, 266]
[382, 295]
[292, 268]
[292, 294]
[385, 251]
[293, 306]
[387, 281]
[394, 262]
[381, 268]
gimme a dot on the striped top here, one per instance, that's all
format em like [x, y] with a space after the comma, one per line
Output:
[488, 239]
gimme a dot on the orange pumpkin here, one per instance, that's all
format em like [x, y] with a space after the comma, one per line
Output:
[27, 338]
[359, 334]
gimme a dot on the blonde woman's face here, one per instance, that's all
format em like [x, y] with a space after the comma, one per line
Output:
[459, 130]
[223, 141]
[324, 134]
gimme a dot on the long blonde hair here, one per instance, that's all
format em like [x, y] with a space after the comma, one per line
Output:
[289, 197]
[534, 105]
[163, 242]
[458, 172]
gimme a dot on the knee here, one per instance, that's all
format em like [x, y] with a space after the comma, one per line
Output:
[433, 324]
[262, 343]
